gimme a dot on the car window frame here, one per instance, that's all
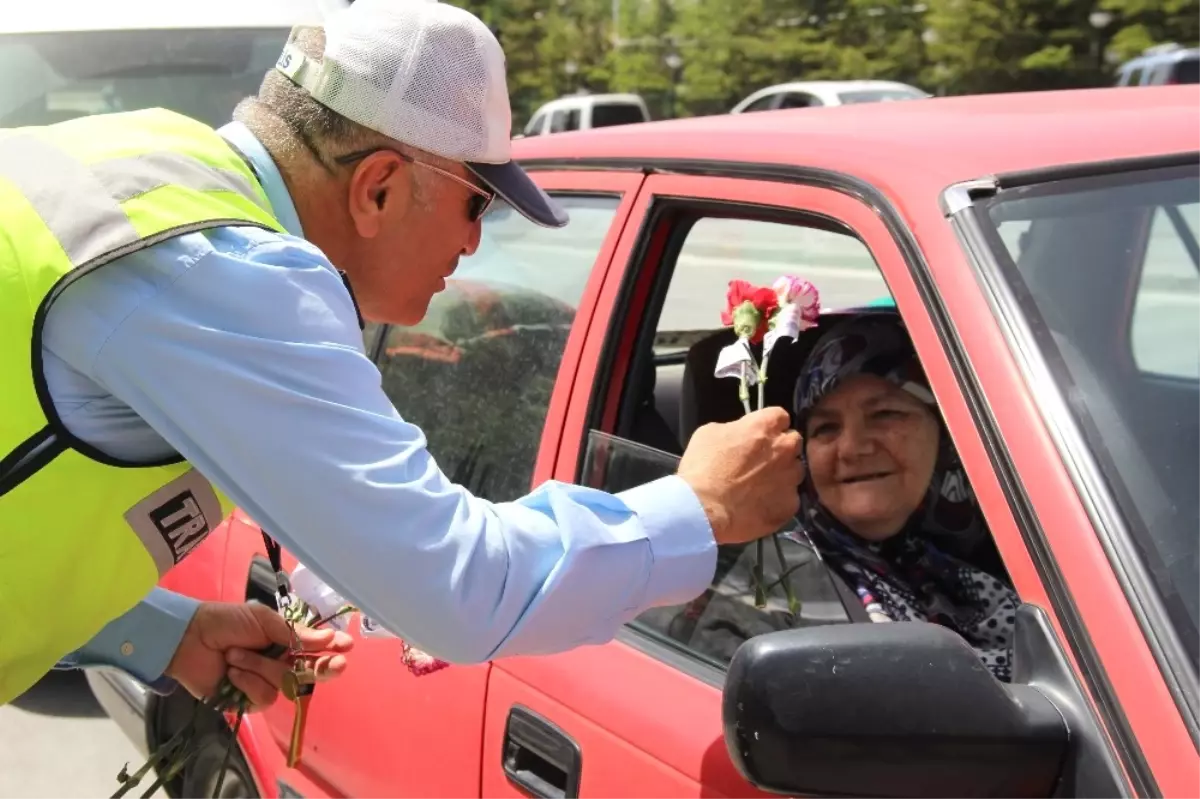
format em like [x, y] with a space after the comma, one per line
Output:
[602, 398]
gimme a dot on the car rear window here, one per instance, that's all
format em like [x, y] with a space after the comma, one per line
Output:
[200, 73]
[1107, 272]
[609, 114]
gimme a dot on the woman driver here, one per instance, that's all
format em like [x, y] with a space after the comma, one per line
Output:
[885, 498]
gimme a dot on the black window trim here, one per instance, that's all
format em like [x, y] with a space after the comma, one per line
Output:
[985, 252]
[1082, 647]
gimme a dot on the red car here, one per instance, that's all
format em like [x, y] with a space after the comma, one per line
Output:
[1042, 250]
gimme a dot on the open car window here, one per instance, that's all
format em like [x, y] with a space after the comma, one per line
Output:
[725, 616]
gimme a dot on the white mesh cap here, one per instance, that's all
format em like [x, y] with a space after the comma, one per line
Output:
[430, 75]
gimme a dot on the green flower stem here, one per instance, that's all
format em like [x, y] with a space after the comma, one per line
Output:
[744, 390]
[237, 725]
[760, 587]
[170, 758]
[793, 603]
[762, 381]
[342, 611]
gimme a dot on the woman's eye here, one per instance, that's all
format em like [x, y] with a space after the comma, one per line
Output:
[825, 429]
[888, 414]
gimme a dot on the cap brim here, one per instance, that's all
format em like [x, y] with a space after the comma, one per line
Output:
[514, 186]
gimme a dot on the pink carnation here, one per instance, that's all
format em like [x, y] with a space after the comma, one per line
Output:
[791, 290]
[420, 663]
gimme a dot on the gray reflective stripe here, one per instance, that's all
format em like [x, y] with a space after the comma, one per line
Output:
[68, 197]
[81, 204]
[125, 178]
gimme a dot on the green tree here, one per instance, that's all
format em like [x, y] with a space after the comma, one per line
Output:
[638, 61]
[981, 46]
[734, 47]
[1139, 24]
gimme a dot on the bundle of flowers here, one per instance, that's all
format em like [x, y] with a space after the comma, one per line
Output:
[761, 315]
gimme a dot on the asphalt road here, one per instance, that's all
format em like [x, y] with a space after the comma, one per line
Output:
[56, 741]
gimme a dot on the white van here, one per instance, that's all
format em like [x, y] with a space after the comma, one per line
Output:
[586, 111]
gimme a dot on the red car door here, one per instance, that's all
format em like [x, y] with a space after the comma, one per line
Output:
[641, 716]
[380, 730]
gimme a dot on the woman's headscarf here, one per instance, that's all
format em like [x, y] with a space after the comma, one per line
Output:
[908, 577]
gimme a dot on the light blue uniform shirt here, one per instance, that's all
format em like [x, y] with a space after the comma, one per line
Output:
[240, 349]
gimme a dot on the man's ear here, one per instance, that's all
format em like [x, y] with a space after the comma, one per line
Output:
[377, 191]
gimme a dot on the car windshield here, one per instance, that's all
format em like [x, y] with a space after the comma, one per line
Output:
[1107, 272]
[878, 96]
[200, 73]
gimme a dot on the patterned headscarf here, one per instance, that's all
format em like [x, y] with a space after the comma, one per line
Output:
[907, 577]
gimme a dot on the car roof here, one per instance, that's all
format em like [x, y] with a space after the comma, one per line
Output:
[835, 85]
[586, 99]
[43, 16]
[938, 141]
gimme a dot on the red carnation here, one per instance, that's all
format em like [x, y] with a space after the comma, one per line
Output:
[749, 308]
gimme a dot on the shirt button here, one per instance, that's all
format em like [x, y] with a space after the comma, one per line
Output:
[126, 649]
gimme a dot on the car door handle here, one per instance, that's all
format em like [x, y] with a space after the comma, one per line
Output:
[538, 757]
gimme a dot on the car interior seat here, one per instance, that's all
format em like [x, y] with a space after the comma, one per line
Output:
[648, 425]
[704, 397]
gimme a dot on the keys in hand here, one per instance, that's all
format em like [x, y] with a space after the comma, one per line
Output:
[298, 686]
[746, 474]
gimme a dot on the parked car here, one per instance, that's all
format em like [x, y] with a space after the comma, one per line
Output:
[1164, 64]
[817, 93]
[587, 111]
[1042, 250]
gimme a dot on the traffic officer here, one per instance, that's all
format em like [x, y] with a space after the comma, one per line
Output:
[182, 312]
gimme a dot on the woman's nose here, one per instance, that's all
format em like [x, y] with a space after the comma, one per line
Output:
[856, 440]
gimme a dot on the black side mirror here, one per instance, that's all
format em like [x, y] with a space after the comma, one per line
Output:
[901, 709]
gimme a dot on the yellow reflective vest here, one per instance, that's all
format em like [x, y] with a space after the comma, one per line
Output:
[85, 536]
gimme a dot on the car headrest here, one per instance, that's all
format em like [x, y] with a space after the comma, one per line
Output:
[705, 398]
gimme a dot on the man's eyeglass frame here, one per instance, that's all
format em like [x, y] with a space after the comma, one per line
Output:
[481, 199]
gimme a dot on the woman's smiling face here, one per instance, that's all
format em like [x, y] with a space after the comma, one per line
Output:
[871, 451]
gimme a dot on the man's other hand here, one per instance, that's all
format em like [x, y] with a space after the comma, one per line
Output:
[224, 636]
[745, 474]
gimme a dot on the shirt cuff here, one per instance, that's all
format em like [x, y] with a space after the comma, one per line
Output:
[682, 548]
[143, 641]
